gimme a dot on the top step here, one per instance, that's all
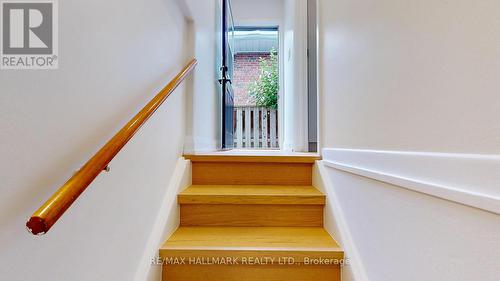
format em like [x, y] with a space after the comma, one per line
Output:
[251, 168]
[253, 156]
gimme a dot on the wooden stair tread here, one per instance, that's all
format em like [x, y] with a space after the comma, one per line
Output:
[251, 238]
[251, 194]
[299, 243]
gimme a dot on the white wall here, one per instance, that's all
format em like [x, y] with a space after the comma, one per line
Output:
[408, 75]
[114, 56]
[418, 76]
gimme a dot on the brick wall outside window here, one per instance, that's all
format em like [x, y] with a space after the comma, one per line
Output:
[246, 70]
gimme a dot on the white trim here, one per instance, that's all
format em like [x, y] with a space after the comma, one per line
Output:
[166, 222]
[319, 132]
[320, 59]
[336, 224]
[301, 142]
[295, 77]
[468, 179]
[281, 91]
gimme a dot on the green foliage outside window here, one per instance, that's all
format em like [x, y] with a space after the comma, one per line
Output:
[265, 88]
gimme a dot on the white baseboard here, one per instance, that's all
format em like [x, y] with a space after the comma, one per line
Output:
[336, 224]
[468, 179]
[166, 222]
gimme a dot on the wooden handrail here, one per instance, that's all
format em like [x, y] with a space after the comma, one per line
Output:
[47, 215]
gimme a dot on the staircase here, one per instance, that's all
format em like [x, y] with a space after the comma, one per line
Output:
[251, 218]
